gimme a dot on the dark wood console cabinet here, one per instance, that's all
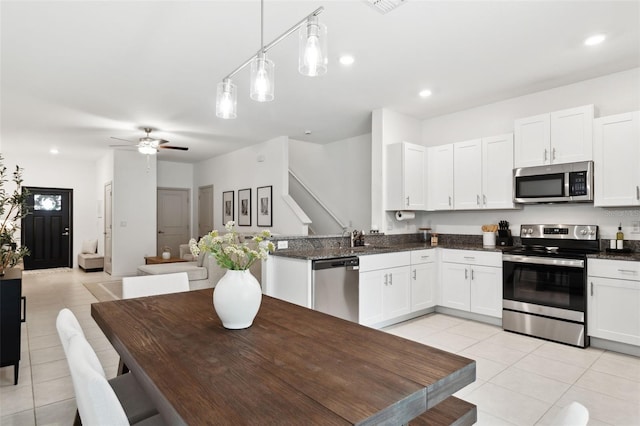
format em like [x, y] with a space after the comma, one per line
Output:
[12, 314]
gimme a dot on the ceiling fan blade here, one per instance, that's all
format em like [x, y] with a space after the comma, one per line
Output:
[162, 141]
[120, 139]
[180, 148]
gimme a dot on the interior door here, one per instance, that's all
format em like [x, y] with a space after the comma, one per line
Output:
[173, 219]
[108, 228]
[205, 210]
[47, 229]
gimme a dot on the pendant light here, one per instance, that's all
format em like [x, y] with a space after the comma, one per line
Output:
[312, 61]
[312, 52]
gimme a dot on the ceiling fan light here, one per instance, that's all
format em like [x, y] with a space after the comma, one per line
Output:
[226, 100]
[312, 48]
[262, 78]
[147, 149]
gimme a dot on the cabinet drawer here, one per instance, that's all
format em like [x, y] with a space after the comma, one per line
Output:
[423, 256]
[616, 269]
[372, 262]
[472, 257]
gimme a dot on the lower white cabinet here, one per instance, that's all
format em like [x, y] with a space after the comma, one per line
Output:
[423, 279]
[472, 281]
[613, 304]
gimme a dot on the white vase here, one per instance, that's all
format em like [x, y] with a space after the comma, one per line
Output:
[237, 298]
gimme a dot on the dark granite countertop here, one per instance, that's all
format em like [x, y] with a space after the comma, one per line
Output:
[335, 252]
[633, 256]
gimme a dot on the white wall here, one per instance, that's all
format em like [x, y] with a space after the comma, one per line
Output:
[49, 171]
[612, 94]
[258, 165]
[388, 127]
[339, 174]
[134, 211]
[104, 175]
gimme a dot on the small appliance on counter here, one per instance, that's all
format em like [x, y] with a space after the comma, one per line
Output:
[504, 237]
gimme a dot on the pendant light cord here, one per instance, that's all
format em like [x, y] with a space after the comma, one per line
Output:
[262, 26]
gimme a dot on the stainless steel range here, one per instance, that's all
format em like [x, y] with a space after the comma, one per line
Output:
[545, 282]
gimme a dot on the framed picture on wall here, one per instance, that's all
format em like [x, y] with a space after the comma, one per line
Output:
[265, 206]
[227, 207]
[244, 207]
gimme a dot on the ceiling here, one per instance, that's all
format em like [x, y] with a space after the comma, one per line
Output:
[75, 73]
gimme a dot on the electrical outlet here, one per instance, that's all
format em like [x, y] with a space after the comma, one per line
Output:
[635, 227]
[283, 245]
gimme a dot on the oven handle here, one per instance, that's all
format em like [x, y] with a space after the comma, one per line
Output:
[518, 258]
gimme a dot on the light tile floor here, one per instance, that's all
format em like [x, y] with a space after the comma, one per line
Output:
[520, 380]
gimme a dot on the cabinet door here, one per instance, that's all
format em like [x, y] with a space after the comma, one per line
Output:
[396, 293]
[467, 175]
[415, 176]
[614, 310]
[406, 177]
[497, 172]
[617, 155]
[370, 297]
[572, 135]
[423, 280]
[486, 291]
[455, 286]
[532, 141]
[440, 177]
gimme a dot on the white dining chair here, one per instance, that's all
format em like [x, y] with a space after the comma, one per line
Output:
[574, 414]
[132, 397]
[151, 285]
[97, 402]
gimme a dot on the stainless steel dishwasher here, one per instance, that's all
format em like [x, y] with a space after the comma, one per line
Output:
[335, 287]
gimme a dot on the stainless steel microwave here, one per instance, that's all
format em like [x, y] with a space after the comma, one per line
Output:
[555, 183]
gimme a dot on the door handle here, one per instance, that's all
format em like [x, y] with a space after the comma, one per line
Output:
[407, 201]
[637, 192]
[544, 158]
[160, 232]
[484, 199]
[386, 279]
[478, 199]
[414, 274]
[553, 154]
[592, 288]
[472, 275]
[449, 200]
[466, 273]
[64, 234]
[390, 279]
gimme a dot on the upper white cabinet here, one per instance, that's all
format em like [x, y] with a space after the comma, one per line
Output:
[406, 177]
[483, 173]
[440, 177]
[616, 159]
[559, 137]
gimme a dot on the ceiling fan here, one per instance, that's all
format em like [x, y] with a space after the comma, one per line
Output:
[148, 145]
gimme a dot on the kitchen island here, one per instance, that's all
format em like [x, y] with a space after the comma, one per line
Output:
[294, 365]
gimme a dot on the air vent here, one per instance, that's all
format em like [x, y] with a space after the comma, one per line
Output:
[385, 6]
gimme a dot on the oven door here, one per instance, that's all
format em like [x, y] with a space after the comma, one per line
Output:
[545, 281]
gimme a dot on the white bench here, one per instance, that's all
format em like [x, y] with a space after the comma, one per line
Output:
[91, 262]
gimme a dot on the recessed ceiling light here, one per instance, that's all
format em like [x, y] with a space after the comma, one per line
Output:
[53, 151]
[307, 132]
[425, 93]
[595, 39]
[346, 60]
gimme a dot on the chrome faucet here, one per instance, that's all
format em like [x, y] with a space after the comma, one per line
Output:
[345, 230]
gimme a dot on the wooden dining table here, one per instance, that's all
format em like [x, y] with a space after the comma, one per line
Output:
[292, 366]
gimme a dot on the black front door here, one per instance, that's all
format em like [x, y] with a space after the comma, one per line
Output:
[46, 231]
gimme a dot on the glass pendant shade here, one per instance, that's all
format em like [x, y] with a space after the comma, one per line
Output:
[226, 100]
[262, 79]
[312, 54]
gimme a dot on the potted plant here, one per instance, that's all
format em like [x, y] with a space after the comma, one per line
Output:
[13, 207]
[237, 296]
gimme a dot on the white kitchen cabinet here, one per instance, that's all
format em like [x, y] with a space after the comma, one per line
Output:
[423, 279]
[483, 173]
[467, 175]
[559, 137]
[384, 288]
[406, 177]
[616, 160]
[289, 279]
[440, 177]
[613, 305]
[472, 281]
[497, 172]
